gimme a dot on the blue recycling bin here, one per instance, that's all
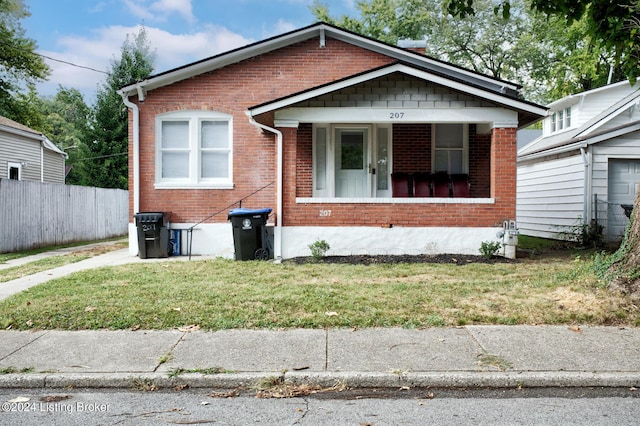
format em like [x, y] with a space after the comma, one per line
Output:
[251, 239]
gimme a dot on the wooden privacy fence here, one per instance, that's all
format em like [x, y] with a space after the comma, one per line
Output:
[34, 214]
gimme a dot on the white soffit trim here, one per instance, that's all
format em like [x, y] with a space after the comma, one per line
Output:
[424, 75]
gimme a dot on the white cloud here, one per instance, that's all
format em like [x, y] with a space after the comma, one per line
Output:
[103, 45]
[160, 10]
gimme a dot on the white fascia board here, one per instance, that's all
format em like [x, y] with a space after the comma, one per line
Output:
[220, 61]
[443, 81]
[505, 117]
[609, 117]
[401, 54]
[24, 133]
[582, 143]
[570, 99]
[259, 48]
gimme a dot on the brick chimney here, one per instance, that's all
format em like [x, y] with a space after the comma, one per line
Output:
[418, 46]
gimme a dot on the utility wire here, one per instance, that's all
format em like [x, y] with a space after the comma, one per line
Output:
[101, 156]
[50, 58]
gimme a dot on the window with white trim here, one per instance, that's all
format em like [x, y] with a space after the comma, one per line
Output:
[450, 148]
[194, 149]
[561, 120]
[14, 170]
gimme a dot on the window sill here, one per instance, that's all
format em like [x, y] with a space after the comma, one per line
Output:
[192, 186]
[408, 200]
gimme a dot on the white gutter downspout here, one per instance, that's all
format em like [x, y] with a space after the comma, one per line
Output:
[586, 159]
[136, 148]
[278, 229]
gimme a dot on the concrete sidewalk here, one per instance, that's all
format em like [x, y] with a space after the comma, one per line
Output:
[112, 258]
[472, 356]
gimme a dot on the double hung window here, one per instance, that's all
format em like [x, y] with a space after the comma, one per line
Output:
[194, 149]
[450, 150]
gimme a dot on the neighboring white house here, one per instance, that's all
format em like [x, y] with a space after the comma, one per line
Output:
[26, 154]
[584, 167]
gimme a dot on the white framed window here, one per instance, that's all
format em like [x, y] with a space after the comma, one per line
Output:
[450, 148]
[561, 120]
[14, 170]
[194, 149]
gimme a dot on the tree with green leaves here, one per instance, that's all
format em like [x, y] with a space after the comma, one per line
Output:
[20, 66]
[541, 53]
[615, 28]
[65, 122]
[105, 163]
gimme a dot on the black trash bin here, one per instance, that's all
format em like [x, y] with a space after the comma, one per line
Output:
[153, 234]
[251, 239]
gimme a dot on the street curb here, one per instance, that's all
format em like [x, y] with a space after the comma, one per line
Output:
[352, 380]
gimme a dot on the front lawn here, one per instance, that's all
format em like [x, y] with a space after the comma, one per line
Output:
[220, 294]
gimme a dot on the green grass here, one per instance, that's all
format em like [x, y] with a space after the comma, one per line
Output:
[5, 257]
[223, 294]
[47, 263]
[34, 267]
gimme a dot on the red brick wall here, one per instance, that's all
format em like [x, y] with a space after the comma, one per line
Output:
[237, 87]
[503, 172]
[233, 90]
[481, 165]
[411, 148]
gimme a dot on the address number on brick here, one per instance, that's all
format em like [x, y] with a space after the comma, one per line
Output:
[325, 213]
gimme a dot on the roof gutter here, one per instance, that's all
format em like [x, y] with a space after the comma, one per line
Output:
[136, 144]
[278, 229]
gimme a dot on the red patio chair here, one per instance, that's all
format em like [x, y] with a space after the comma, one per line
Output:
[460, 185]
[441, 187]
[421, 185]
[400, 185]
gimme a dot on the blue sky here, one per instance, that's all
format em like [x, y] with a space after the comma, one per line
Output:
[91, 33]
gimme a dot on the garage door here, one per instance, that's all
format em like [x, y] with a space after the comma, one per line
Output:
[624, 180]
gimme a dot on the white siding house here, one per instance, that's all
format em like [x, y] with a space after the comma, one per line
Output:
[26, 154]
[584, 167]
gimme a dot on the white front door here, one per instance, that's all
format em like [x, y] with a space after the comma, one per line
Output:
[352, 163]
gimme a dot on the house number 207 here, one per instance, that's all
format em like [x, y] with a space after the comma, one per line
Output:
[396, 114]
[325, 213]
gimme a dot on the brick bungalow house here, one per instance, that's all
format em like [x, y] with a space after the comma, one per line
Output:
[374, 148]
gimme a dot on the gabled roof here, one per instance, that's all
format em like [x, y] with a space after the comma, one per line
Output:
[14, 127]
[586, 133]
[528, 112]
[322, 31]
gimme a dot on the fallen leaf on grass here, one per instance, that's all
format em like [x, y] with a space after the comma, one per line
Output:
[331, 314]
[189, 328]
[90, 309]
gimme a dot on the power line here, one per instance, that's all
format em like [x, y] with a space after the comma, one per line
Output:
[52, 59]
[95, 158]
[71, 63]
